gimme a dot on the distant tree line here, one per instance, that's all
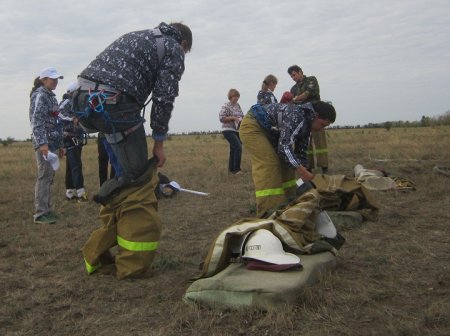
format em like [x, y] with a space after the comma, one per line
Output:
[8, 141]
[442, 120]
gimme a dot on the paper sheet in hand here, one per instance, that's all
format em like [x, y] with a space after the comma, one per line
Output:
[53, 159]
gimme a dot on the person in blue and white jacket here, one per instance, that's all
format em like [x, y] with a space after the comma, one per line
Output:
[265, 95]
[47, 136]
[277, 138]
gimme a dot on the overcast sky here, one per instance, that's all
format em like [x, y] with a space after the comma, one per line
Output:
[376, 61]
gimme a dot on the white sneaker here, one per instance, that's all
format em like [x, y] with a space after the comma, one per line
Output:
[71, 194]
[82, 195]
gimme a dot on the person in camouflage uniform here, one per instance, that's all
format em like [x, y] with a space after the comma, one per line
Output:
[306, 90]
[277, 137]
[47, 135]
[134, 66]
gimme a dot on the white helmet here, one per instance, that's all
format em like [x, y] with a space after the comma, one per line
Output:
[263, 245]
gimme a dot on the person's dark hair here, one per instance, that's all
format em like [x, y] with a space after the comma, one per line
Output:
[186, 34]
[36, 84]
[325, 111]
[293, 68]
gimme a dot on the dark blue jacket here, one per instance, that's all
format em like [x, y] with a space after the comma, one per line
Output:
[131, 65]
[288, 126]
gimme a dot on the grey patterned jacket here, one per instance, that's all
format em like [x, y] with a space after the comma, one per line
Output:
[46, 127]
[131, 65]
[266, 97]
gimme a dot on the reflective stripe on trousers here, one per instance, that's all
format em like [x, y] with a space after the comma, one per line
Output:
[137, 246]
[129, 245]
[276, 191]
[90, 268]
[317, 150]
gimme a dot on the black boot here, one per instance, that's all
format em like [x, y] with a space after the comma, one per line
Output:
[336, 242]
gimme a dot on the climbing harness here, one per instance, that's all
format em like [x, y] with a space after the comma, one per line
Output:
[80, 140]
[96, 104]
[97, 100]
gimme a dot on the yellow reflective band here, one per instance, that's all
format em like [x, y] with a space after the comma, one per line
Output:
[137, 246]
[269, 192]
[91, 269]
[289, 184]
[318, 151]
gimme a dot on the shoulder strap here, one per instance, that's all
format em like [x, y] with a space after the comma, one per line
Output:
[280, 118]
[161, 52]
[159, 43]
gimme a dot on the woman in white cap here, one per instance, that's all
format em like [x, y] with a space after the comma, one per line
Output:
[47, 139]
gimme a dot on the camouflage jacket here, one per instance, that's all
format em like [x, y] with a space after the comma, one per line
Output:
[266, 97]
[131, 65]
[45, 125]
[309, 84]
[289, 128]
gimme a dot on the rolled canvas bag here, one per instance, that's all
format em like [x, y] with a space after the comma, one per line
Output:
[226, 282]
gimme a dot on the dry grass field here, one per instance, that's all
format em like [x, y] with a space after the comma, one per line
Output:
[392, 275]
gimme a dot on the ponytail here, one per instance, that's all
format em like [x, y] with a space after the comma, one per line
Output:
[36, 84]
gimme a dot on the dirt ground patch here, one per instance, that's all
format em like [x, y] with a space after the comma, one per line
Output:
[392, 277]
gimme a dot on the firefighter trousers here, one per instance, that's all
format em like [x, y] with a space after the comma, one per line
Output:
[274, 180]
[131, 222]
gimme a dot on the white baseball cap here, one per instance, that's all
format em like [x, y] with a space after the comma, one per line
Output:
[50, 72]
[72, 87]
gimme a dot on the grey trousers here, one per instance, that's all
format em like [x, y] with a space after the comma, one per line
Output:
[45, 174]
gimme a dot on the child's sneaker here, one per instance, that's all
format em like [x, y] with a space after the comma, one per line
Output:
[82, 195]
[71, 194]
[52, 215]
[45, 219]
